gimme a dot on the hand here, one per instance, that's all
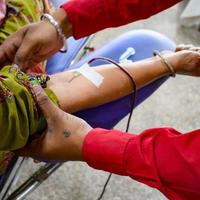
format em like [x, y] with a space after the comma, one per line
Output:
[186, 60]
[189, 63]
[64, 136]
[34, 43]
[182, 47]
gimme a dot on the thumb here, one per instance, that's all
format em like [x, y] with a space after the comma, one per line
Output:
[24, 55]
[46, 105]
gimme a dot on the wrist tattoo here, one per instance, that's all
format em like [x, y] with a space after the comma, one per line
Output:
[66, 133]
[75, 75]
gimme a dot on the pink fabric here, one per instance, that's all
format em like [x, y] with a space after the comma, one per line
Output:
[2, 10]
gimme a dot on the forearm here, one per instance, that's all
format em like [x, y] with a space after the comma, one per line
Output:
[79, 17]
[80, 93]
[88, 17]
[162, 158]
[61, 17]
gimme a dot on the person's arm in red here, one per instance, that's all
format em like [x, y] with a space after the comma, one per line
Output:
[90, 16]
[161, 158]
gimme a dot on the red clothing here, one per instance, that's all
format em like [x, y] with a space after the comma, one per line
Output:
[161, 157]
[90, 16]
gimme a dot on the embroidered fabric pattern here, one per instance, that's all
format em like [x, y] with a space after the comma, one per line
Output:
[19, 116]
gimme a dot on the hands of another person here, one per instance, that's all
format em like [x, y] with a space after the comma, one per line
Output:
[64, 136]
[35, 42]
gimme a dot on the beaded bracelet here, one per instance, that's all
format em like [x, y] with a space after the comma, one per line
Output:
[56, 25]
[165, 62]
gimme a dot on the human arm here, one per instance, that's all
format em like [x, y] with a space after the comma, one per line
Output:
[72, 96]
[161, 158]
[83, 14]
[81, 94]
[22, 50]
[54, 145]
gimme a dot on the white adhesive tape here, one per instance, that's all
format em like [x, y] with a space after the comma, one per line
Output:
[90, 74]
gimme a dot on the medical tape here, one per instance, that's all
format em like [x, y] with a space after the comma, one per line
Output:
[90, 74]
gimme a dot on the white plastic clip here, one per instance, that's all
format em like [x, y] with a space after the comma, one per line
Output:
[127, 54]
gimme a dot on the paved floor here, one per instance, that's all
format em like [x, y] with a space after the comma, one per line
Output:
[76, 181]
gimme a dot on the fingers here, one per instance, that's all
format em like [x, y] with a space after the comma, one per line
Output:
[7, 51]
[3, 58]
[189, 62]
[24, 55]
[46, 105]
[182, 47]
[10, 46]
[20, 49]
[197, 49]
[190, 47]
[30, 45]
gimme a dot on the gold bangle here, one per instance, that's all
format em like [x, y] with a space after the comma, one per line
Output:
[165, 62]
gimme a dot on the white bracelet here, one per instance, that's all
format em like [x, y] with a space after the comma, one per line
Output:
[165, 62]
[56, 25]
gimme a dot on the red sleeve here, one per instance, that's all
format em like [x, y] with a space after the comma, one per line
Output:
[162, 158]
[90, 16]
